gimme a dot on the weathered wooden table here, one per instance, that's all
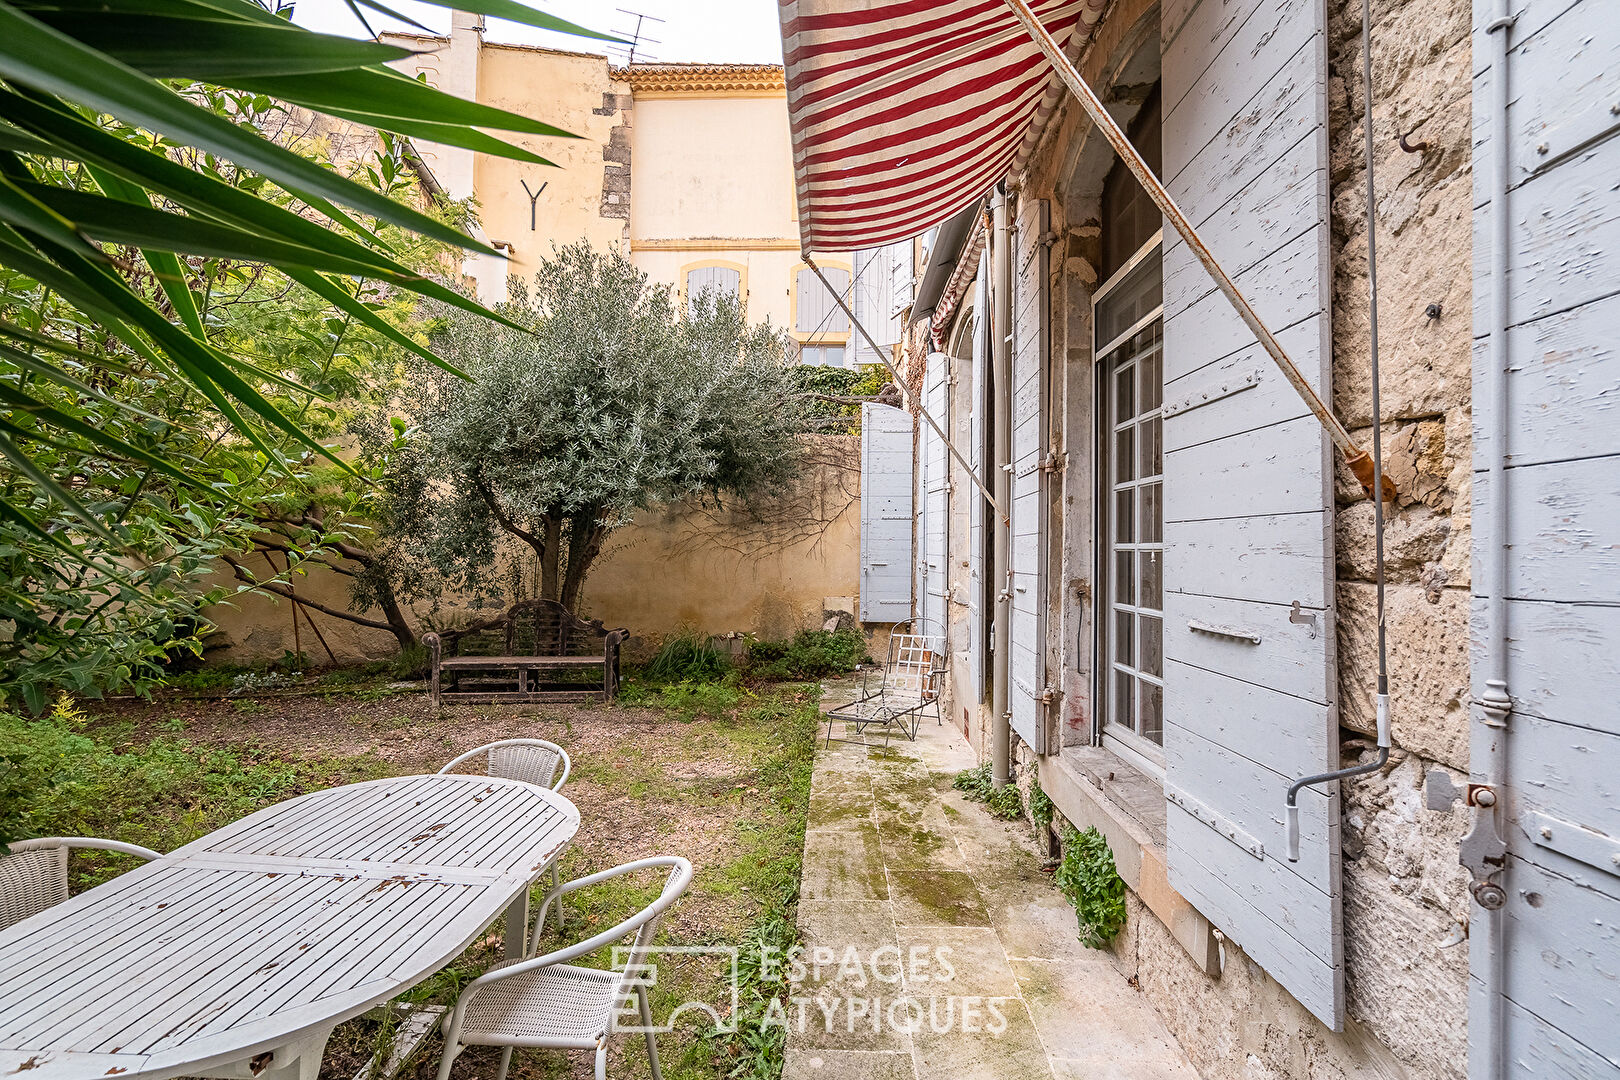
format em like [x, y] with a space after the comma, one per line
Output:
[235, 955]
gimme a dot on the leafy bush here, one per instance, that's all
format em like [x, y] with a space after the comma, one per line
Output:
[810, 654]
[688, 654]
[979, 786]
[1088, 878]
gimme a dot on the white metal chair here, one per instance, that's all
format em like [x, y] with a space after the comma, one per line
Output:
[533, 761]
[35, 875]
[542, 1001]
[907, 690]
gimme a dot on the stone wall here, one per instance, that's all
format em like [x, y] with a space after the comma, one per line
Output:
[1405, 903]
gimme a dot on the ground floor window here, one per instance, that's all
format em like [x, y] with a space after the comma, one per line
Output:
[1130, 476]
[823, 355]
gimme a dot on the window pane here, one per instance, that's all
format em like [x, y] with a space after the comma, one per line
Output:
[1153, 712]
[1152, 514]
[1152, 448]
[1124, 647]
[1152, 632]
[1124, 578]
[1152, 597]
[1124, 706]
[1151, 380]
[1123, 532]
[1124, 399]
[1124, 440]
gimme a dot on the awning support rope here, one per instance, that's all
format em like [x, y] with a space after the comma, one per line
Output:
[1359, 460]
[900, 384]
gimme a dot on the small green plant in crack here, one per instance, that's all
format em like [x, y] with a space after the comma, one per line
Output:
[1040, 806]
[978, 785]
[1086, 875]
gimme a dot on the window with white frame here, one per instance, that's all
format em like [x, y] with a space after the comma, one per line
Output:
[1129, 321]
[725, 280]
[822, 355]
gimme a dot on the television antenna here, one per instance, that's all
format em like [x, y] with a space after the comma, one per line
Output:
[637, 38]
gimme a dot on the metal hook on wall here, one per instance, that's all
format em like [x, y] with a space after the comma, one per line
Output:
[1413, 147]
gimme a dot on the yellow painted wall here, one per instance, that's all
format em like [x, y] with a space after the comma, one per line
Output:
[565, 89]
[669, 569]
[712, 165]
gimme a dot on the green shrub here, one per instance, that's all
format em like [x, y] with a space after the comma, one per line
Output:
[1088, 878]
[688, 655]
[810, 654]
[978, 785]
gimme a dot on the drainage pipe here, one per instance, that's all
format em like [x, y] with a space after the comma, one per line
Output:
[1488, 747]
[1000, 405]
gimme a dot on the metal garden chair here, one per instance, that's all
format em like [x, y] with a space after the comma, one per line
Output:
[906, 691]
[533, 761]
[35, 875]
[542, 1001]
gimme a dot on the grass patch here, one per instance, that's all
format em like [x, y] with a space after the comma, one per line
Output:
[688, 655]
[65, 778]
[977, 785]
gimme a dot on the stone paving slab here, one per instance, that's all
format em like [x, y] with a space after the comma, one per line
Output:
[938, 947]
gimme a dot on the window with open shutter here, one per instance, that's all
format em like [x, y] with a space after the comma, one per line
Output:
[934, 486]
[885, 513]
[1027, 646]
[1248, 630]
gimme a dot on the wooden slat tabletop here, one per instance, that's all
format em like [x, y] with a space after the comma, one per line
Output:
[280, 925]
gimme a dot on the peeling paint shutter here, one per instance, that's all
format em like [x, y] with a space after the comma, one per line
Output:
[971, 691]
[1562, 470]
[1028, 648]
[1249, 691]
[885, 514]
[932, 585]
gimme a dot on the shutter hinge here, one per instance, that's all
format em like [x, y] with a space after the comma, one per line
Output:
[1049, 694]
[1054, 462]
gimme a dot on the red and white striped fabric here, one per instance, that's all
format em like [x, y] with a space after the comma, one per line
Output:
[904, 111]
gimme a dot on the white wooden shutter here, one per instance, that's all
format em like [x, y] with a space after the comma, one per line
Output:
[874, 302]
[816, 311]
[1249, 692]
[1026, 657]
[1562, 470]
[932, 585]
[885, 513]
[972, 686]
[722, 279]
[902, 279]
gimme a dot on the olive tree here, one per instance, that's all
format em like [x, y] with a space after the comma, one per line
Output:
[607, 402]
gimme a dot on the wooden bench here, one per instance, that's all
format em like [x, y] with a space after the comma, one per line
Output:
[509, 657]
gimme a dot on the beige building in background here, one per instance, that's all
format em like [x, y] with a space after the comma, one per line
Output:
[688, 169]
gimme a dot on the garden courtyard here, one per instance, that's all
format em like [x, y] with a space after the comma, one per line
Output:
[877, 862]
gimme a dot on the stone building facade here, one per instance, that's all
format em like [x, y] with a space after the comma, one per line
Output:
[1405, 905]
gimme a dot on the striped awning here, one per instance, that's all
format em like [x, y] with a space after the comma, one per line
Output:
[905, 111]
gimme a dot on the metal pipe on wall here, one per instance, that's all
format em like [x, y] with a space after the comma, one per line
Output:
[1483, 850]
[1000, 405]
